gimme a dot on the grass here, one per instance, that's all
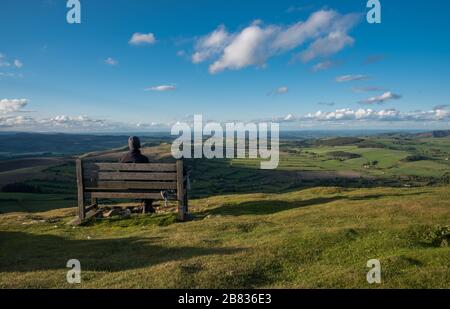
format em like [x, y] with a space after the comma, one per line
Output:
[29, 202]
[312, 238]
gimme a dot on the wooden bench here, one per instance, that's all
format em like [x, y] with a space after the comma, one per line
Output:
[130, 181]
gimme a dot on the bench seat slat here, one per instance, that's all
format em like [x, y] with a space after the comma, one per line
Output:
[120, 195]
[136, 176]
[132, 167]
[130, 185]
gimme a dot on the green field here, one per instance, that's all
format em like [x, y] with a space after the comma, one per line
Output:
[389, 161]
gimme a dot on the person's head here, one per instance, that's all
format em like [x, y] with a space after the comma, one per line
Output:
[134, 143]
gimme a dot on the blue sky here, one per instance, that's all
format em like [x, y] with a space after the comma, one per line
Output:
[307, 64]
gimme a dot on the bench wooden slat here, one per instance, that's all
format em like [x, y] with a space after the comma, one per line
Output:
[129, 181]
[90, 207]
[127, 195]
[130, 185]
[136, 176]
[80, 190]
[132, 167]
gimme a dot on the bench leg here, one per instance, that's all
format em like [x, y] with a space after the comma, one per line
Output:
[81, 210]
[183, 208]
[80, 190]
[186, 203]
[181, 211]
[181, 191]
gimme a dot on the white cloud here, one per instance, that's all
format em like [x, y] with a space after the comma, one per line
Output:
[441, 114]
[348, 114]
[152, 125]
[142, 38]
[162, 88]
[12, 105]
[381, 98]
[289, 118]
[329, 45]
[18, 63]
[246, 49]
[4, 62]
[279, 91]
[255, 44]
[319, 24]
[16, 121]
[432, 115]
[71, 122]
[61, 123]
[211, 45]
[283, 90]
[8, 120]
[111, 61]
[350, 78]
[324, 65]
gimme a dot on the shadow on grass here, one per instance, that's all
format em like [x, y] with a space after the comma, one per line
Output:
[34, 202]
[22, 252]
[378, 196]
[265, 207]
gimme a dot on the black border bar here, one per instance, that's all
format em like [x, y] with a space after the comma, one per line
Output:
[375, 298]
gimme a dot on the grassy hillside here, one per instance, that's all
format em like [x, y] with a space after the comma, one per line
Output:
[332, 205]
[320, 237]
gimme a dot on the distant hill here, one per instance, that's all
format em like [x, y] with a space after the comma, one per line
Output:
[38, 144]
[339, 141]
[437, 134]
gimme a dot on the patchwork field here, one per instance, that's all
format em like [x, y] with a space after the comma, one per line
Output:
[367, 161]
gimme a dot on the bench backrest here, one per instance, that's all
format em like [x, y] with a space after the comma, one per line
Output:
[125, 180]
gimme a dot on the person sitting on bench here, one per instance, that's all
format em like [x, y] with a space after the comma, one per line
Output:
[135, 156]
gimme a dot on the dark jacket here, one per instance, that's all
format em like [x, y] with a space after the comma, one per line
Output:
[134, 155]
